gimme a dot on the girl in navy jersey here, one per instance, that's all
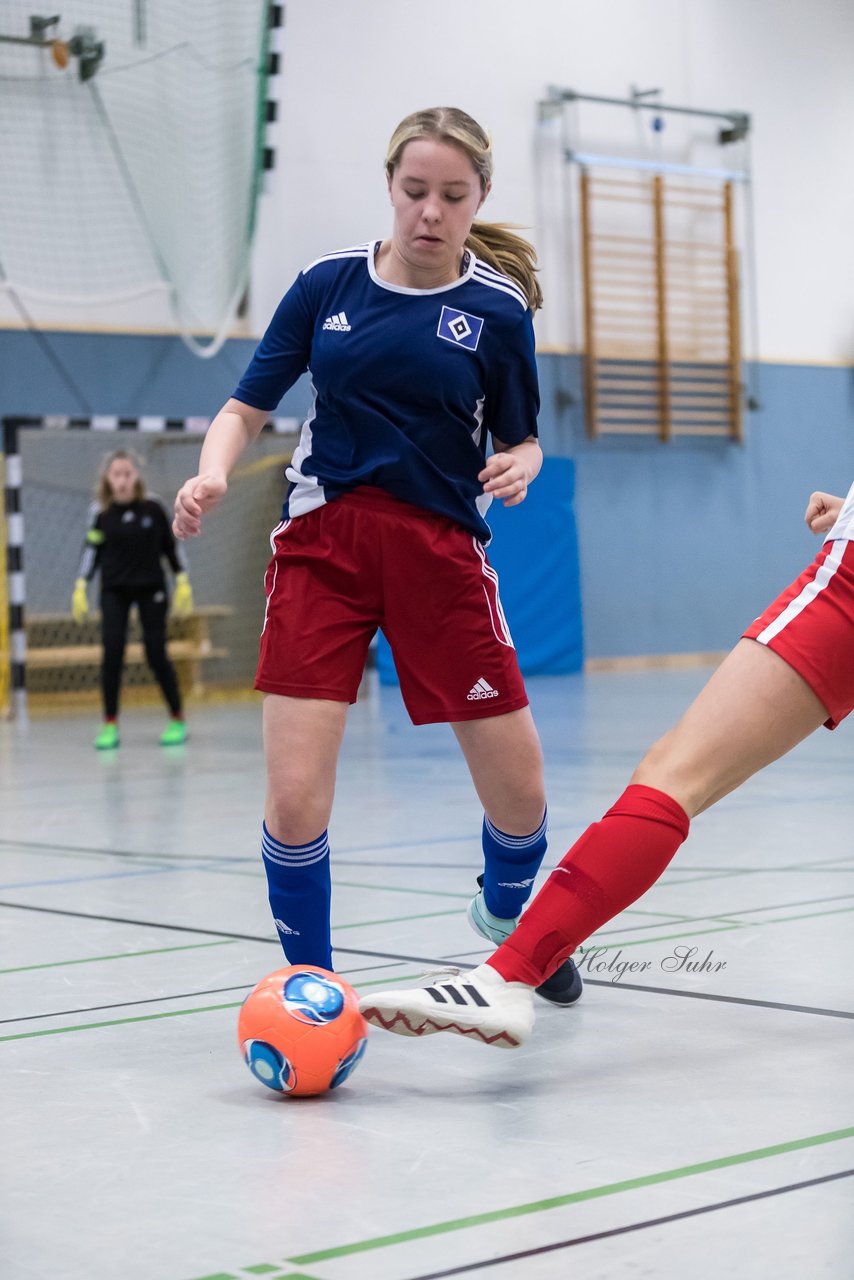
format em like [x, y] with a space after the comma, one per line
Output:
[792, 671]
[128, 539]
[421, 351]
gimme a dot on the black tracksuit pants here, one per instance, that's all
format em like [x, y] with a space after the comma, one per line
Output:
[153, 606]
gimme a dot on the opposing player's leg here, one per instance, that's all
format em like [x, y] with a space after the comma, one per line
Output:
[302, 739]
[753, 710]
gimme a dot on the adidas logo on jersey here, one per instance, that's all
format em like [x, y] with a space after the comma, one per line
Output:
[481, 689]
[338, 323]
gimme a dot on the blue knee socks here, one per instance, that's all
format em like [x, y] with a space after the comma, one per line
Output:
[510, 865]
[299, 889]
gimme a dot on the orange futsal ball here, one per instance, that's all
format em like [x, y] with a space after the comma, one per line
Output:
[300, 1031]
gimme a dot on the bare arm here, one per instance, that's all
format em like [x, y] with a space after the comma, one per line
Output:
[822, 510]
[232, 430]
[511, 469]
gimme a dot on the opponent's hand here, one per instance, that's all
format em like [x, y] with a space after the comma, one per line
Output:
[506, 478]
[822, 510]
[79, 601]
[194, 499]
[182, 601]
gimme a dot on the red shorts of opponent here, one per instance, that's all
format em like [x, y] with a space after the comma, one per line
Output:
[811, 626]
[367, 560]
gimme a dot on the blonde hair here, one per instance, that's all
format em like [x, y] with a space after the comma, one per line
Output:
[495, 243]
[104, 490]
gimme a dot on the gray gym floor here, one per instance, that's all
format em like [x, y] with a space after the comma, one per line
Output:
[672, 1124]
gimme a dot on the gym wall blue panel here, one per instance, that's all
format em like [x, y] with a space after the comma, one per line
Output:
[683, 544]
[534, 550]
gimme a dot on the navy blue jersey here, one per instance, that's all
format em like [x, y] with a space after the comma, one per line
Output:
[407, 383]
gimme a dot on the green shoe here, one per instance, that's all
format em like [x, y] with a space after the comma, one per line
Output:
[108, 738]
[174, 734]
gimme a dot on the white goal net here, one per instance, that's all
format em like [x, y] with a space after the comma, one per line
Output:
[131, 148]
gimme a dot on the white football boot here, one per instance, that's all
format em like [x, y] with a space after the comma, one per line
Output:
[477, 1004]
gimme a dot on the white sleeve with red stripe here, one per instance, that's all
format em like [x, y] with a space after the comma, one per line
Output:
[844, 527]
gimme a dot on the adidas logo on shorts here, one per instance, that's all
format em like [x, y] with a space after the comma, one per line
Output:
[338, 323]
[481, 689]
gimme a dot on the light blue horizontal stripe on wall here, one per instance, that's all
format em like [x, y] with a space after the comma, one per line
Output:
[681, 545]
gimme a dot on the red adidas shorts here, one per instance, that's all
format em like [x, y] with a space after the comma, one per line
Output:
[365, 561]
[811, 626]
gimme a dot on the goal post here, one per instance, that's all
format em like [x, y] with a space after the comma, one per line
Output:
[51, 466]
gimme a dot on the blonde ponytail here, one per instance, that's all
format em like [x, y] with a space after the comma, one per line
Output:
[497, 244]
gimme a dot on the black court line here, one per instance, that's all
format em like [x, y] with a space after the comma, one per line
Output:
[707, 995]
[122, 853]
[634, 1226]
[182, 995]
[430, 961]
[208, 859]
[126, 1004]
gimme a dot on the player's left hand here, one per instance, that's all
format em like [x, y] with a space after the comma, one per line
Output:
[505, 477]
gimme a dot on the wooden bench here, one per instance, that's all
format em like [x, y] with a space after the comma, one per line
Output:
[57, 643]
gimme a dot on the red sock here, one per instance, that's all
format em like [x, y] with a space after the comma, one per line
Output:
[607, 869]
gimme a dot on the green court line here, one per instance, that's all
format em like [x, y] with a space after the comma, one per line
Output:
[573, 1197]
[118, 1022]
[389, 888]
[360, 924]
[729, 873]
[121, 955]
[671, 915]
[747, 924]
[177, 1013]
[352, 884]
[731, 917]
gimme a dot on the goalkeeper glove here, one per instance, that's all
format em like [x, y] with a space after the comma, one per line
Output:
[182, 603]
[79, 602]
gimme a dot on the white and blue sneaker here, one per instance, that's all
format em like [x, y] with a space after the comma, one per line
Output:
[495, 928]
[564, 987]
[477, 1004]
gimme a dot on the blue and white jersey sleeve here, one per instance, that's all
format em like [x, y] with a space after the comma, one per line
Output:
[512, 398]
[283, 353]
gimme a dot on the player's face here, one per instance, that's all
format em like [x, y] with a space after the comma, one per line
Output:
[122, 476]
[435, 192]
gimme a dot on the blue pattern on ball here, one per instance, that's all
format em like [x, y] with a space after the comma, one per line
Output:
[269, 1066]
[312, 998]
[348, 1065]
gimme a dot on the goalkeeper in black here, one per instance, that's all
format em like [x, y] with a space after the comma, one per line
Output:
[129, 537]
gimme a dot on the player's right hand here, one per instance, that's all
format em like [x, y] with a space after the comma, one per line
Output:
[79, 601]
[196, 497]
[822, 510]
